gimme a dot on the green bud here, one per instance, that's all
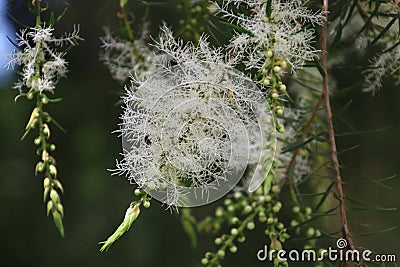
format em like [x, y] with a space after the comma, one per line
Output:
[45, 156]
[46, 130]
[221, 253]
[146, 204]
[310, 232]
[241, 238]
[235, 220]
[49, 207]
[296, 209]
[266, 81]
[53, 170]
[60, 208]
[227, 202]
[44, 100]
[276, 245]
[277, 69]
[269, 53]
[218, 241]
[30, 96]
[204, 261]
[58, 185]
[46, 193]
[234, 231]
[251, 225]
[39, 167]
[54, 196]
[37, 141]
[219, 212]
[46, 182]
[233, 249]
[58, 222]
[308, 210]
[275, 95]
[52, 147]
[247, 209]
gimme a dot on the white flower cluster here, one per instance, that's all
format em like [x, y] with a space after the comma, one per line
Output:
[282, 32]
[191, 129]
[123, 57]
[384, 64]
[42, 65]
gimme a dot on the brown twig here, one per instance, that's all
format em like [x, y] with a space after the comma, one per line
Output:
[331, 133]
[366, 17]
[303, 135]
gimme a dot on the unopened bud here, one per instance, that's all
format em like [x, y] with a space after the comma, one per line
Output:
[37, 141]
[58, 185]
[269, 54]
[60, 208]
[54, 196]
[46, 130]
[53, 170]
[45, 156]
[146, 204]
[39, 167]
[49, 207]
[277, 69]
[46, 182]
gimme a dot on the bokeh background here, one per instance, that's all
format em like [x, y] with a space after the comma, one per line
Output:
[95, 201]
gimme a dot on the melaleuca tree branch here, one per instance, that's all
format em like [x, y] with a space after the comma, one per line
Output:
[331, 132]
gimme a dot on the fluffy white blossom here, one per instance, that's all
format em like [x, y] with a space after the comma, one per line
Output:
[284, 32]
[41, 63]
[123, 57]
[383, 65]
[194, 127]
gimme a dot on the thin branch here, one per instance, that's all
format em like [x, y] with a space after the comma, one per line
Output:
[303, 135]
[331, 131]
[366, 17]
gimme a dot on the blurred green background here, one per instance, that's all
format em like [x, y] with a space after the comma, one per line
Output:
[95, 201]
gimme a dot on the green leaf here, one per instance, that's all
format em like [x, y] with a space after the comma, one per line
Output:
[268, 183]
[238, 28]
[388, 26]
[130, 216]
[17, 21]
[268, 9]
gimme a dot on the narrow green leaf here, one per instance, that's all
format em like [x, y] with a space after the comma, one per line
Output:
[324, 197]
[319, 67]
[238, 28]
[268, 9]
[17, 21]
[388, 26]
[14, 44]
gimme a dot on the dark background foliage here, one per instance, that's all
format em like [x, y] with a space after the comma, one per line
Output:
[95, 201]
